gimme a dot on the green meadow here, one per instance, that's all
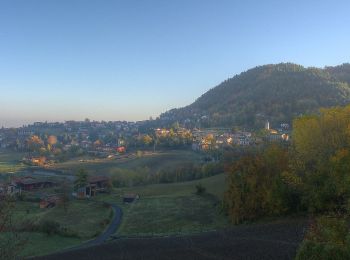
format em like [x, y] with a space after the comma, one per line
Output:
[10, 161]
[172, 208]
[152, 161]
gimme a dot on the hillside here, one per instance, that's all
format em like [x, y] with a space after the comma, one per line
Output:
[276, 92]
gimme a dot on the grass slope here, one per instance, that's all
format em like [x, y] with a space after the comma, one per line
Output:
[172, 208]
[214, 185]
[84, 220]
[10, 161]
[153, 161]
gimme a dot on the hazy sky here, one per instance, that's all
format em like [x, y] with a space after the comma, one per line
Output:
[128, 60]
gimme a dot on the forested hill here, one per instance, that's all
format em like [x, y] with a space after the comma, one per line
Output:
[276, 92]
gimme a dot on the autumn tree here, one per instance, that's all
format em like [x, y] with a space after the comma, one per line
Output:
[321, 158]
[35, 143]
[147, 140]
[51, 141]
[256, 187]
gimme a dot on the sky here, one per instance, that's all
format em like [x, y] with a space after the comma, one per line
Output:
[132, 59]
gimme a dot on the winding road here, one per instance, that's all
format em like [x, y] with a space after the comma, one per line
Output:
[112, 228]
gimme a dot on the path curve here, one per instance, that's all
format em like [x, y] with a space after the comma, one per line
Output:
[112, 228]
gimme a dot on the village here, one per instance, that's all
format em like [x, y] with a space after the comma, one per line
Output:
[47, 143]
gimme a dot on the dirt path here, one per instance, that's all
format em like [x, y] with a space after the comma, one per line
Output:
[275, 240]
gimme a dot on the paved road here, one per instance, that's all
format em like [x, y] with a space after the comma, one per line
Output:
[275, 240]
[112, 228]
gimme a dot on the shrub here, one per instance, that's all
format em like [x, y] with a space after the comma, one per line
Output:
[200, 189]
[327, 238]
[68, 233]
[50, 227]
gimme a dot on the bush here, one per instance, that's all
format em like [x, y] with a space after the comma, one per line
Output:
[200, 189]
[65, 232]
[50, 227]
[104, 222]
[327, 238]
[21, 197]
[310, 250]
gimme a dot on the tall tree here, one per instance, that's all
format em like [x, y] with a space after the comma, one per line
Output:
[81, 179]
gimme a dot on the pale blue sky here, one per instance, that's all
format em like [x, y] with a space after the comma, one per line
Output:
[128, 60]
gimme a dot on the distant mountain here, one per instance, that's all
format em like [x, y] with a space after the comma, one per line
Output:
[276, 92]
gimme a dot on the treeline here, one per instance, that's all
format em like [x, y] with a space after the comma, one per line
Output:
[311, 175]
[144, 175]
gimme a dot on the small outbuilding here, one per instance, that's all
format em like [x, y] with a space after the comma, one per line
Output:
[29, 183]
[130, 197]
[49, 201]
[96, 184]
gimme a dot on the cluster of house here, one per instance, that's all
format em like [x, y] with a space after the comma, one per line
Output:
[35, 160]
[105, 139]
[209, 139]
[282, 133]
[217, 138]
[26, 183]
[72, 133]
[94, 186]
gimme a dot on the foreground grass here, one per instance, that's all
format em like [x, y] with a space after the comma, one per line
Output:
[83, 221]
[172, 215]
[42, 244]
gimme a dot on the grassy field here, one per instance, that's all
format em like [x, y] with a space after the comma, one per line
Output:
[172, 215]
[153, 161]
[163, 209]
[42, 244]
[86, 219]
[10, 161]
[172, 208]
[214, 185]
